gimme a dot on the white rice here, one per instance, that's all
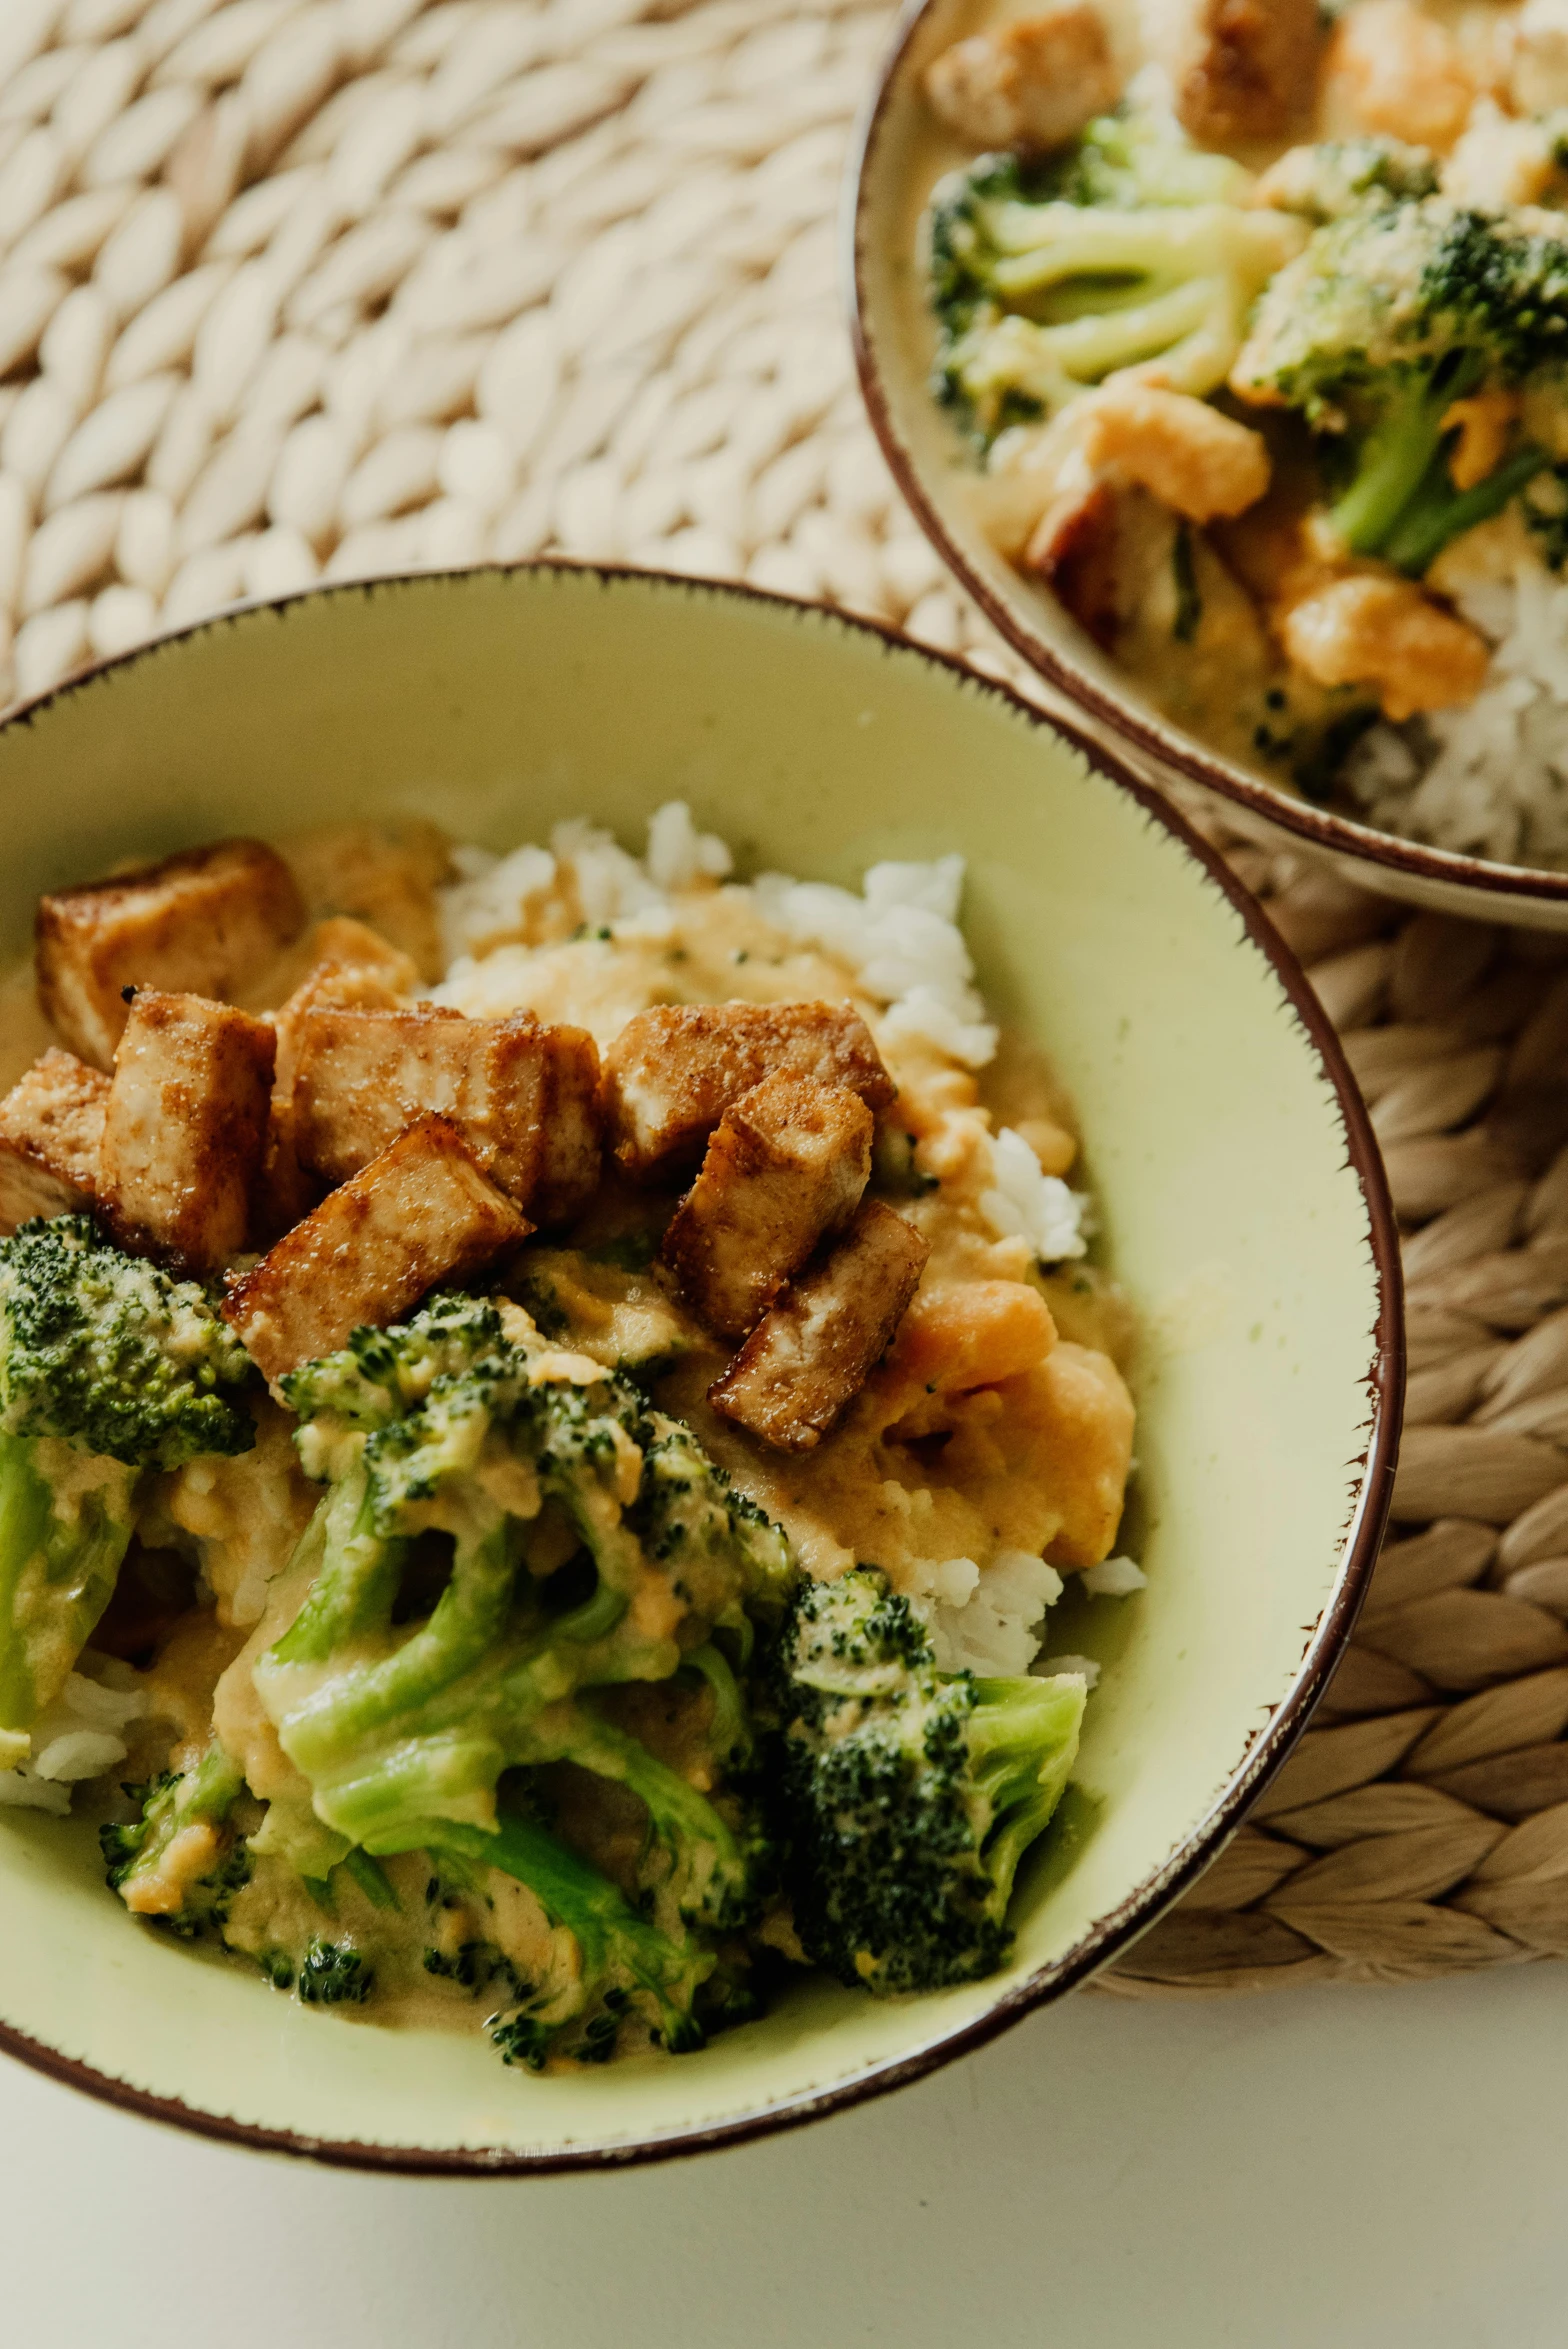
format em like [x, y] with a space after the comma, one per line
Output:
[1490, 780]
[1114, 1578]
[76, 1737]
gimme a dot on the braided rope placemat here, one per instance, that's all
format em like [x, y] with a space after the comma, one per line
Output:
[300, 289]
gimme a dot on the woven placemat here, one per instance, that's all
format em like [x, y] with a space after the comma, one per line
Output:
[299, 289]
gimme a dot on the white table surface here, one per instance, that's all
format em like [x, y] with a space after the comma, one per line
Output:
[1328, 2169]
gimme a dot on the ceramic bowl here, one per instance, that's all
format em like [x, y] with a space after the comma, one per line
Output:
[900, 153]
[1238, 1186]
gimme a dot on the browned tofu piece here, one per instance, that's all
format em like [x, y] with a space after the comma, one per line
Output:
[524, 1096]
[1241, 69]
[387, 874]
[1033, 83]
[787, 1163]
[355, 969]
[671, 1073]
[812, 1352]
[51, 1134]
[185, 1127]
[206, 922]
[423, 1212]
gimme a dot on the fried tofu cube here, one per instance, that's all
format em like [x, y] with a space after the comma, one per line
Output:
[387, 874]
[206, 922]
[1032, 84]
[51, 1135]
[354, 970]
[671, 1073]
[1242, 70]
[812, 1352]
[524, 1096]
[185, 1127]
[423, 1211]
[1386, 634]
[787, 1163]
[1194, 460]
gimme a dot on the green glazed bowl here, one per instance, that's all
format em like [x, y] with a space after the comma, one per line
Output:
[1238, 1186]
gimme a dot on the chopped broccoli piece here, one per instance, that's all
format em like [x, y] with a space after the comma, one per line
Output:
[1133, 247]
[1395, 311]
[425, 1660]
[909, 1795]
[334, 1973]
[624, 1963]
[102, 1350]
[148, 1863]
[395, 1721]
[1326, 181]
[107, 1368]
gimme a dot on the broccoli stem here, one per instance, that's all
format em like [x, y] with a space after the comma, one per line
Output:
[612, 1939]
[1439, 513]
[709, 1871]
[1397, 453]
[356, 1571]
[65, 1525]
[202, 1796]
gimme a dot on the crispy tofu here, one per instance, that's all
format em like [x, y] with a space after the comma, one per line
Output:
[787, 1163]
[206, 922]
[51, 1135]
[1033, 83]
[524, 1096]
[185, 1127]
[671, 1073]
[423, 1211]
[1242, 70]
[812, 1352]
[356, 970]
[386, 874]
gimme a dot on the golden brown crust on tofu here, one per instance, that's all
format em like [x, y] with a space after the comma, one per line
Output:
[185, 1128]
[51, 1134]
[423, 1211]
[786, 1164]
[386, 874]
[206, 922]
[524, 1096]
[1033, 83]
[1242, 69]
[354, 970]
[812, 1352]
[671, 1073]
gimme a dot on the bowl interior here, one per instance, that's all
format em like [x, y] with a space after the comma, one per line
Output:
[501, 703]
[904, 150]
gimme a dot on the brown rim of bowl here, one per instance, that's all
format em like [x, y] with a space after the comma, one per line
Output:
[1364, 1527]
[1167, 746]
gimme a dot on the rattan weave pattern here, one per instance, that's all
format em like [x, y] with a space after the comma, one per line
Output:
[293, 289]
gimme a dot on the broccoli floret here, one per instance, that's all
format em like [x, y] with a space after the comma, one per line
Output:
[147, 1862]
[1326, 181]
[1132, 247]
[426, 1661]
[108, 1368]
[910, 1794]
[334, 1973]
[102, 1350]
[623, 1964]
[1393, 313]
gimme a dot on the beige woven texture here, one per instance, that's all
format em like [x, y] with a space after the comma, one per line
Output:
[300, 289]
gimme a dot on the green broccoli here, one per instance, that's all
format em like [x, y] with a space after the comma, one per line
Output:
[148, 1864]
[108, 1368]
[1134, 247]
[909, 1795]
[1327, 181]
[334, 1973]
[618, 1965]
[1395, 311]
[426, 1660]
